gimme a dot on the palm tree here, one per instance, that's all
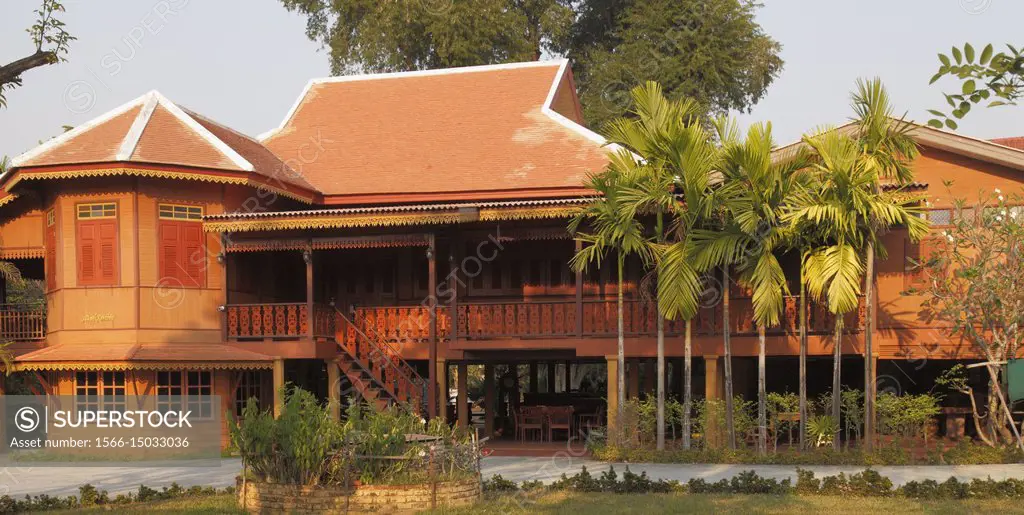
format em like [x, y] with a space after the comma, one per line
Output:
[666, 135]
[755, 192]
[611, 231]
[888, 148]
[847, 209]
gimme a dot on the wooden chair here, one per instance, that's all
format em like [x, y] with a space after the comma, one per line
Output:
[529, 418]
[560, 419]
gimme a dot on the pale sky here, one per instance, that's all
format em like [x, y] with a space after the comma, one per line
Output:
[243, 62]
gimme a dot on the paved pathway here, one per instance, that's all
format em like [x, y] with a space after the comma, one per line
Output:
[549, 469]
[18, 482]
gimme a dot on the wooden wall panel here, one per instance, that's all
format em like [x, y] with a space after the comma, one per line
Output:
[98, 308]
[179, 309]
[971, 180]
[24, 231]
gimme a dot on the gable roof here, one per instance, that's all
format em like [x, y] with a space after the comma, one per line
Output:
[988, 151]
[152, 130]
[498, 131]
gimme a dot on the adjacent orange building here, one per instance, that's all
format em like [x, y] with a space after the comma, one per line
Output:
[392, 229]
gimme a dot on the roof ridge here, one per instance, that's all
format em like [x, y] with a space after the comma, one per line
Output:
[438, 71]
[204, 133]
[207, 119]
[134, 134]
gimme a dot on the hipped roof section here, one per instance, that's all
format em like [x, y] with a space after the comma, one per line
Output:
[153, 136]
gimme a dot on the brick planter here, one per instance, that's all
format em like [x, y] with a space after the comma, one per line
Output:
[276, 498]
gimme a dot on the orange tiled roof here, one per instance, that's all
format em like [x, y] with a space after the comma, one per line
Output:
[503, 128]
[1017, 142]
[136, 355]
[153, 130]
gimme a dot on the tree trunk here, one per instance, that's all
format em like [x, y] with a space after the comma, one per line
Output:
[661, 360]
[687, 385]
[803, 362]
[836, 378]
[622, 349]
[661, 381]
[729, 422]
[762, 414]
[869, 362]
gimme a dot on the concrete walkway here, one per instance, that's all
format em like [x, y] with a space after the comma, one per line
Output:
[549, 469]
[18, 482]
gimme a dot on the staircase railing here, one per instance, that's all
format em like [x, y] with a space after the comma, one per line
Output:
[385, 363]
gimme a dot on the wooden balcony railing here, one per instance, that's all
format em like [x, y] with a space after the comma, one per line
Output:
[279, 320]
[557, 319]
[22, 322]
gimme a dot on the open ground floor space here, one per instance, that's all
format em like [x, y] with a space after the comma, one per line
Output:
[515, 397]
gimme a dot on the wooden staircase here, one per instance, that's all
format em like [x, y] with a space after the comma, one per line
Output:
[376, 370]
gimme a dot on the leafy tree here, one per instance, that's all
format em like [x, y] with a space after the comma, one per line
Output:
[401, 35]
[611, 230]
[973, 282]
[51, 46]
[713, 51]
[677, 156]
[990, 78]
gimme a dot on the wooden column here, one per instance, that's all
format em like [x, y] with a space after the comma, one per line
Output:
[579, 295]
[307, 256]
[490, 396]
[442, 388]
[613, 393]
[432, 314]
[568, 376]
[534, 382]
[552, 378]
[278, 387]
[225, 287]
[334, 389]
[712, 392]
[712, 388]
[461, 403]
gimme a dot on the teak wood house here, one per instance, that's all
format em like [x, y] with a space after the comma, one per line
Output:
[393, 230]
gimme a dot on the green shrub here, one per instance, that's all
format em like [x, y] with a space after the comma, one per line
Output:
[711, 421]
[498, 484]
[306, 446]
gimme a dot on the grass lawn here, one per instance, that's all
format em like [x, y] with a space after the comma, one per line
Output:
[221, 503]
[579, 504]
[592, 503]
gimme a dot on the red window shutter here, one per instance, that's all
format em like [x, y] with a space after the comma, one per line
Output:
[97, 252]
[108, 251]
[194, 257]
[87, 253]
[182, 256]
[170, 269]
